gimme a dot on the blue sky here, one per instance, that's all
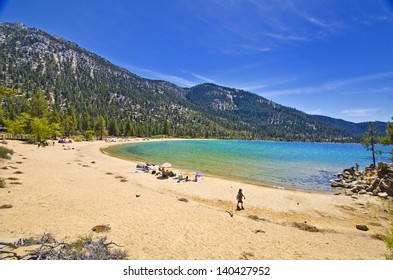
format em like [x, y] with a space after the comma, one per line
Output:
[329, 57]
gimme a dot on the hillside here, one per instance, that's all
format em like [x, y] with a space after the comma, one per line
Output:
[78, 82]
[264, 118]
[356, 129]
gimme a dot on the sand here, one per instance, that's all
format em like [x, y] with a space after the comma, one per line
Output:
[68, 192]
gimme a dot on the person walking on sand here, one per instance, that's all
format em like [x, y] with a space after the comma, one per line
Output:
[239, 198]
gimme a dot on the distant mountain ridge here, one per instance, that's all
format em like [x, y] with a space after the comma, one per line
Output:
[74, 78]
[356, 129]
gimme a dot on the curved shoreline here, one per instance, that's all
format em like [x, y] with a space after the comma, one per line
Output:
[240, 180]
[68, 192]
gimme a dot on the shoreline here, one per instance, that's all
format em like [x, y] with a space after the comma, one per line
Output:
[330, 191]
[68, 192]
[261, 185]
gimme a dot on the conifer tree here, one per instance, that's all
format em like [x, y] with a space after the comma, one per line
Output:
[370, 138]
[38, 105]
[101, 127]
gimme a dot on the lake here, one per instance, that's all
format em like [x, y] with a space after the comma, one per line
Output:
[305, 166]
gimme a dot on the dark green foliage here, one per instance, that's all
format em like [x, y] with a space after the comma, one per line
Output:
[388, 139]
[38, 105]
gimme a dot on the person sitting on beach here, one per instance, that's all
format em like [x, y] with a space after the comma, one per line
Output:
[239, 198]
[180, 178]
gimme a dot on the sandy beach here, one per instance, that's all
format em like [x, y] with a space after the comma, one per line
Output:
[68, 192]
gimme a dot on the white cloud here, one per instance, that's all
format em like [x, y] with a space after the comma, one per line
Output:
[256, 48]
[365, 112]
[201, 77]
[290, 37]
[261, 85]
[156, 75]
[330, 85]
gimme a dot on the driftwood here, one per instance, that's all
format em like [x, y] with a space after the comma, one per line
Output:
[47, 248]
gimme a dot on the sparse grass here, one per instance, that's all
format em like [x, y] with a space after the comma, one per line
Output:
[2, 183]
[12, 178]
[253, 217]
[101, 228]
[15, 183]
[305, 227]
[5, 151]
[389, 237]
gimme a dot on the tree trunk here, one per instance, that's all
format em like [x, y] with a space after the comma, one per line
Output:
[373, 151]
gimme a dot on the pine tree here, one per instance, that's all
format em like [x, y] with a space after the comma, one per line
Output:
[388, 139]
[38, 105]
[370, 138]
[101, 127]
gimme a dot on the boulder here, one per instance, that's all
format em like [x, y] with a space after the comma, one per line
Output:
[383, 185]
[354, 189]
[362, 227]
[383, 167]
[362, 192]
[376, 182]
[335, 184]
[348, 192]
[383, 195]
[369, 189]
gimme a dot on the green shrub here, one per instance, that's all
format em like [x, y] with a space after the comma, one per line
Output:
[4, 151]
[89, 135]
[2, 183]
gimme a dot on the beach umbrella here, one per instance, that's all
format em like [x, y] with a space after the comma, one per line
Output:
[140, 164]
[166, 165]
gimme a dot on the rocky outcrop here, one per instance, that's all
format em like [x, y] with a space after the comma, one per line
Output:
[376, 181]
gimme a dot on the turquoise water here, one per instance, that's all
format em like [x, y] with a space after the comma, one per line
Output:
[306, 166]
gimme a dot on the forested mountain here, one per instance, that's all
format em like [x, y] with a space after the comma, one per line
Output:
[82, 87]
[356, 129]
[264, 118]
